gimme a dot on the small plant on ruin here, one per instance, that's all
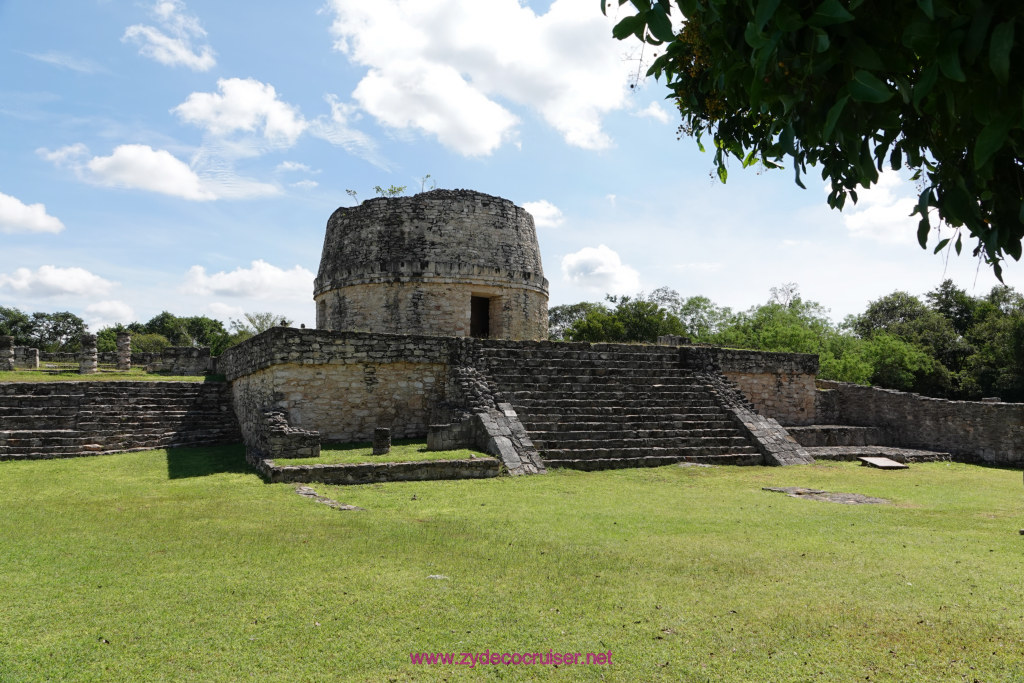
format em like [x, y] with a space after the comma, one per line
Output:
[392, 191]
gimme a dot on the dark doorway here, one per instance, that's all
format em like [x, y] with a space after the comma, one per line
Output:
[480, 317]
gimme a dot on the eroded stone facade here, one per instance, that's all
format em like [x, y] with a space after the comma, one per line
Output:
[415, 265]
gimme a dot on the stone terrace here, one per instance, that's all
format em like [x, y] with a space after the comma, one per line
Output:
[67, 419]
[599, 407]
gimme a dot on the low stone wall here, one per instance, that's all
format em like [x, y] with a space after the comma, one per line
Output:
[779, 385]
[175, 360]
[374, 473]
[971, 431]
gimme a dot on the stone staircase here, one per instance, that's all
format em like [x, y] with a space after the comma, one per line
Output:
[67, 419]
[611, 406]
[847, 442]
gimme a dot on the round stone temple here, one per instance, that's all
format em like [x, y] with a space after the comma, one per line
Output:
[451, 263]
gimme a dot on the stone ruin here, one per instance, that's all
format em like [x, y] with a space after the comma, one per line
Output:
[432, 317]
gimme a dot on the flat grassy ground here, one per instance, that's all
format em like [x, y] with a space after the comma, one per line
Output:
[402, 450]
[183, 565]
[134, 375]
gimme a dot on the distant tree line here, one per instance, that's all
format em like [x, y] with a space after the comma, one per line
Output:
[948, 344]
[62, 331]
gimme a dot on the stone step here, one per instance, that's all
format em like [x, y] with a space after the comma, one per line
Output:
[640, 452]
[614, 441]
[654, 461]
[835, 435]
[581, 412]
[901, 455]
[637, 423]
[573, 436]
[617, 392]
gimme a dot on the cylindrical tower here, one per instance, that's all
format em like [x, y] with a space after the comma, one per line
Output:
[443, 263]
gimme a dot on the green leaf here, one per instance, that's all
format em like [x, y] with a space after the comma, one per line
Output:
[989, 141]
[999, 51]
[866, 87]
[940, 245]
[923, 228]
[723, 173]
[628, 26]
[927, 7]
[833, 117]
[925, 84]
[660, 25]
[949, 62]
[959, 244]
[828, 13]
[765, 10]
[896, 158]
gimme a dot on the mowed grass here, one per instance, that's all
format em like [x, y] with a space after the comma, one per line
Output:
[133, 375]
[183, 565]
[402, 450]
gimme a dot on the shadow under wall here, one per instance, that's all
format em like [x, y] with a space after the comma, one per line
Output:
[202, 461]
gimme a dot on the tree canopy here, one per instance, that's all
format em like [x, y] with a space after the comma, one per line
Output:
[853, 87]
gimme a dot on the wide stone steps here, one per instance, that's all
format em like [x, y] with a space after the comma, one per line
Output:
[617, 441]
[45, 420]
[594, 464]
[903, 455]
[592, 407]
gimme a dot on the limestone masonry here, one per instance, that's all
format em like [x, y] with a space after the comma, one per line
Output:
[432, 319]
[446, 262]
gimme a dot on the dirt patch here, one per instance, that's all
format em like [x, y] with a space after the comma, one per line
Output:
[828, 496]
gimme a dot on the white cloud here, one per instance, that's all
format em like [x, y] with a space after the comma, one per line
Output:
[108, 313]
[337, 130]
[52, 281]
[65, 61]
[305, 184]
[440, 67]
[65, 155]
[260, 281]
[600, 269]
[225, 312]
[611, 199]
[294, 166]
[244, 104]
[16, 216]
[882, 213]
[655, 111]
[140, 167]
[545, 214]
[174, 49]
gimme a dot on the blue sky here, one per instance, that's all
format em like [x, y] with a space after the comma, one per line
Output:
[164, 155]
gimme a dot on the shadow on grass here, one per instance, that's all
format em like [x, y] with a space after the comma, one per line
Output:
[203, 461]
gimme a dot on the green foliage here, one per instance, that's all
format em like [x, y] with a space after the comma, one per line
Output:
[853, 87]
[56, 332]
[15, 323]
[150, 342]
[391, 191]
[257, 322]
[632, 320]
[561, 318]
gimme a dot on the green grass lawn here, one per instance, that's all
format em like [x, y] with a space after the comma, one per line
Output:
[402, 450]
[183, 565]
[133, 375]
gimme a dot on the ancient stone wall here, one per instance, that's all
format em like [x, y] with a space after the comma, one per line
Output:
[414, 265]
[175, 360]
[26, 358]
[975, 431]
[779, 385]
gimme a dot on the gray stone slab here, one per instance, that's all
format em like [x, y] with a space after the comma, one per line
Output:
[882, 463]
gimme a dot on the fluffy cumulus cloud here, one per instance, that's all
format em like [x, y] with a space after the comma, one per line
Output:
[260, 280]
[882, 213]
[49, 281]
[654, 111]
[244, 104]
[16, 216]
[545, 214]
[449, 68]
[600, 269]
[140, 167]
[178, 41]
[108, 313]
